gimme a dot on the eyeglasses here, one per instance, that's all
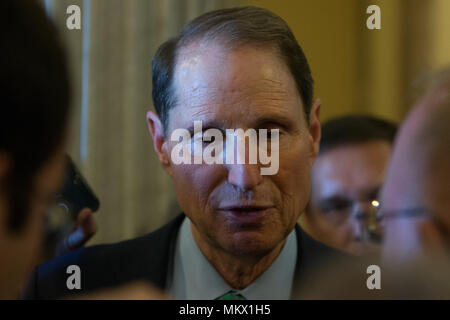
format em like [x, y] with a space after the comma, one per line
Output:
[365, 213]
[418, 212]
[414, 212]
[369, 222]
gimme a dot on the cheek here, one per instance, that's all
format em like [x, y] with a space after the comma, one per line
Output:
[34, 230]
[194, 184]
[294, 173]
[293, 179]
[34, 240]
[22, 252]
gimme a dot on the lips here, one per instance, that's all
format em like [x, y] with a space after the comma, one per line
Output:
[246, 214]
[245, 208]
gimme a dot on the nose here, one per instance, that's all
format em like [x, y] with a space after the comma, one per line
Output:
[360, 221]
[241, 173]
[355, 227]
[244, 176]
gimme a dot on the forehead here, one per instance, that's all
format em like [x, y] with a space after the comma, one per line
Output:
[215, 83]
[352, 169]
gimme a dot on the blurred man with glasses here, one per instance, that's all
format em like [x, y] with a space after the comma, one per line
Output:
[345, 181]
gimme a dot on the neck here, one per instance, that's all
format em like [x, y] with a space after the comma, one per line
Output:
[238, 271]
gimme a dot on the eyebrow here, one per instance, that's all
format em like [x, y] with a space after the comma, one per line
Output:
[369, 194]
[279, 120]
[334, 198]
[209, 124]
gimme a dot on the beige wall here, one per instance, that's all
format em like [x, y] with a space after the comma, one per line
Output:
[440, 35]
[328, 33]
[361, 70]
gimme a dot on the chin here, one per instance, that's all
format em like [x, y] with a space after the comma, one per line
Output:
[251, 244]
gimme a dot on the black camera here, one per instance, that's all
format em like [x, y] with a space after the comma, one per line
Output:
[76, 193]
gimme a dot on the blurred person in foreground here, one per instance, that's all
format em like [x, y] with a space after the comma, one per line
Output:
[35, 106]
[415, 210]
[416, 196]
[35, 93]
[237, 237]
[345, 181]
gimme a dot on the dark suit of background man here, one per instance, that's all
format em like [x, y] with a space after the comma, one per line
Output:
[238, 238]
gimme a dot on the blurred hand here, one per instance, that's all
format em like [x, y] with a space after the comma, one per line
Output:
[84, 229]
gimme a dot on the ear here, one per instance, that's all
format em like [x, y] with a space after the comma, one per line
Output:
[159, 141]
[314, 127]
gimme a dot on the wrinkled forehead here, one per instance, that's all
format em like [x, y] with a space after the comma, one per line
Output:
[215, 61]
[211, 80]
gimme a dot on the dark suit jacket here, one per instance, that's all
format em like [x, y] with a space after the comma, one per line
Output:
[149, 257]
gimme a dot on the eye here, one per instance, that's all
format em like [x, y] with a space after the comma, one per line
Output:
[273, 133]
[211, 140]
[196, 138]
[336, 205]
[196, 144]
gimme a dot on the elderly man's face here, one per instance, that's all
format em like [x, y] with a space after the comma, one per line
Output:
[232, 206]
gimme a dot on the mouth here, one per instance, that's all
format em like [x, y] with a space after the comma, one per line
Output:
[246, 214]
